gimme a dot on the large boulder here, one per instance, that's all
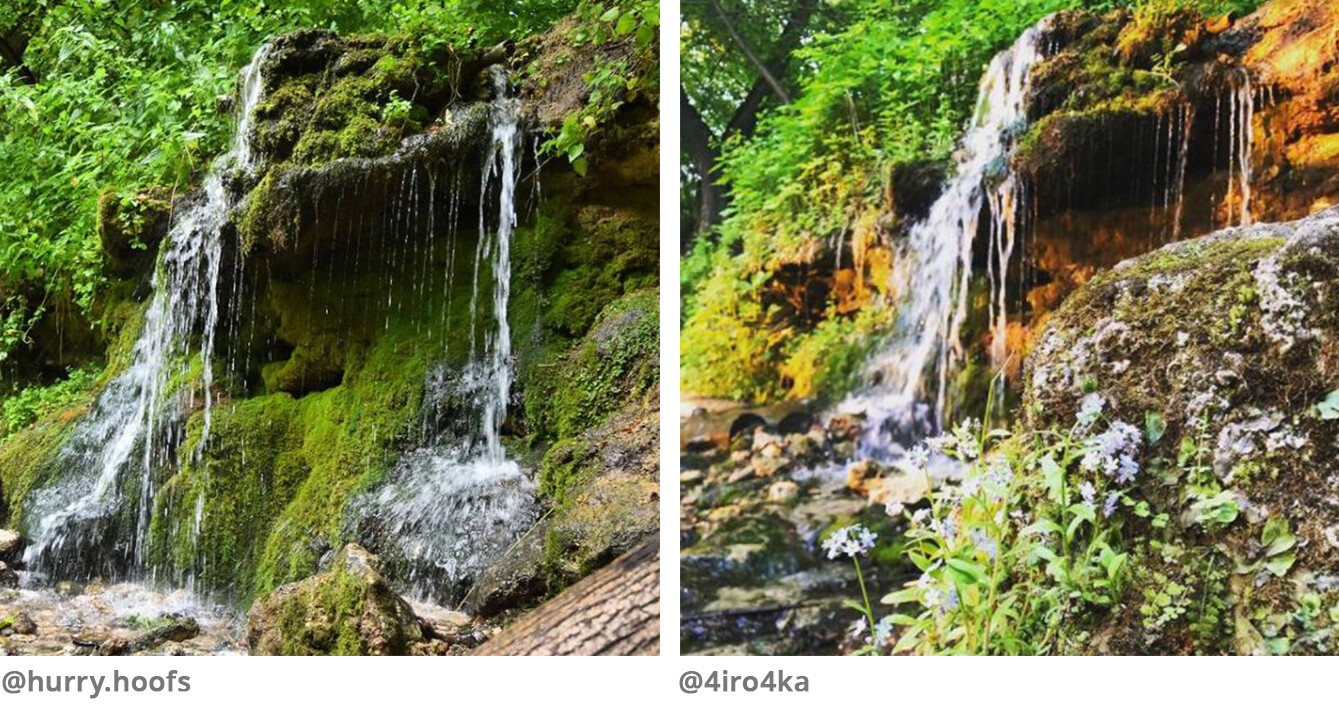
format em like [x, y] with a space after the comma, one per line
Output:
[1224, 351]
[347, 610]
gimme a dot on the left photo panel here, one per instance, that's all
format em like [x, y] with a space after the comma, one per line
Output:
[329, 328]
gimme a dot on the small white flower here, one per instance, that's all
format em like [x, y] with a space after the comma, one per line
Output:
[1110, 506]
[1090, 409]
[850, 541]
[893, 508]
[1088, 492]
[883, 629]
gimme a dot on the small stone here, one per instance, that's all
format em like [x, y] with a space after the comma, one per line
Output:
[863, 477]
[691, 477]
[699, 444]
[845, 427]
[762, 438]
[9, 544]
[906, 488]
[739, 456]
[783, 491]
[769, 466]
[843, 450]
[8, 578]
[801, 445]
[66, 588]
[743, 473]
[22, 624]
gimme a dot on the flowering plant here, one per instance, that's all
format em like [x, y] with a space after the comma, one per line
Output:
[1027, 534]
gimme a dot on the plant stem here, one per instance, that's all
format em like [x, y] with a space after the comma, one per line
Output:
[864, 594]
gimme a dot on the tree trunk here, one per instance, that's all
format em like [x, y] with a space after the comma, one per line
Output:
[613, 611]
[701, 143]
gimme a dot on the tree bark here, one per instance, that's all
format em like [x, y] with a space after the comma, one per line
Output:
[700, 145]
[613, 611]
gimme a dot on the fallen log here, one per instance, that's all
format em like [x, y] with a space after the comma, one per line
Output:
[613, 611]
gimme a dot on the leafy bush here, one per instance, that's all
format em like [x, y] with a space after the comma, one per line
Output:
[24, 407]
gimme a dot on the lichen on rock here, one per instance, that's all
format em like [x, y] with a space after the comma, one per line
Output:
[1225, 344]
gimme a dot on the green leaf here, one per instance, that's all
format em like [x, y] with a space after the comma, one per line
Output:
[965, 573]
[1154, 426]
[1221, 509]
[626, 24]
[899, 597]
[579, 166]
[1053, 477]
[1084, 511]
[1328, 409]
[609, 15]
[1187, 451]
[1277, 537]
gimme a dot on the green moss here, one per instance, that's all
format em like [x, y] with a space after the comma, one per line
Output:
[565, 466]
[349, 610]
[24, 460]
[615, 364]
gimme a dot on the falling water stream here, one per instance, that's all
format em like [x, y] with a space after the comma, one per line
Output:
[935, 263]
[905, 394]
[452, 506]
[96, 515]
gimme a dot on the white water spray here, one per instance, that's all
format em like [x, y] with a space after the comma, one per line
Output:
[451, 507]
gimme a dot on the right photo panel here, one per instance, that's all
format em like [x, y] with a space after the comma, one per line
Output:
[1009, 327]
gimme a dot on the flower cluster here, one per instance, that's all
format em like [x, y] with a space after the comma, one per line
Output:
[850, 541]
[1114, 451]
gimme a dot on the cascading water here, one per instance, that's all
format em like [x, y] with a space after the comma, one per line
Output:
[452, 506]
[93, 518]
[935, 263]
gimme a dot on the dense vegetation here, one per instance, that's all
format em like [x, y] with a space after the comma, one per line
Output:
[124, 95]
[852, 92]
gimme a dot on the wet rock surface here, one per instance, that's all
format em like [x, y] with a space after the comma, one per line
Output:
[118, 619]
[753, 577]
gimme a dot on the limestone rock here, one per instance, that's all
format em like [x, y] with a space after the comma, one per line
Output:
[348, 610]
[1151, 337]
[10, 542]
[783, 491]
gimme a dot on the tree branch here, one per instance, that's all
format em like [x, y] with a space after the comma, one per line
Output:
[763, 70]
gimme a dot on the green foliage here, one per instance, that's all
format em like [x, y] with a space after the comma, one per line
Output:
[21, 409]
[1033, 536]
[397, 110]
[613, 80]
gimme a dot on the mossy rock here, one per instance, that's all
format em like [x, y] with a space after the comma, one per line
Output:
[130, 228]
[346, 610]
[1226, 347]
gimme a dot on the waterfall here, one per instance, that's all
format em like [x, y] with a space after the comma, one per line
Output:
[94, 516]
[452, 506]
[1243, 111]
[935, 263]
